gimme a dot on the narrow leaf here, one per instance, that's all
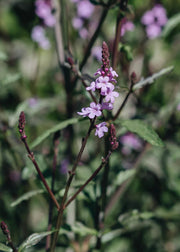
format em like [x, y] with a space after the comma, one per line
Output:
[171, 24]
[34, 239]
[5, 248]
[57, 127]
[82, 230]
[26, 196]
[152, 78]
[144, 131]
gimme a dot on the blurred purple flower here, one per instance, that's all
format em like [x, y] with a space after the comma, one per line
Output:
[130, 142]
[97, 52]
[83, 33]
[38, 35]
[85, 9]
[32, 102]
[77, 23]
[101, 129]
[178, 107]
[126, 26]
[64, 166]
[43, 10]
[154, 20]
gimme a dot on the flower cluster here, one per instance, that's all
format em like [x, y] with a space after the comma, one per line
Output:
[104, 84]
[84, 12]
[126, 26]
[43, 10]
[154, 20]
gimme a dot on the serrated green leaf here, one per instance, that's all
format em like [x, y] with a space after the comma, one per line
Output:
[57, 127]
[123, 176]
[5, 248]
[152, 78]
[144, 131]
[26, 196]
[171, 24]
[33, 240]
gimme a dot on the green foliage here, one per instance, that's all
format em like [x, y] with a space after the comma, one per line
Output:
[144, 131]
[33, 239]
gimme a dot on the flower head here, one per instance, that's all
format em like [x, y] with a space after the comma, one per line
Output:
[38, 35]
[154, 20]
[101, 129]
[92, 111]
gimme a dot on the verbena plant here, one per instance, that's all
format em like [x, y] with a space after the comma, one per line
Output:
[93, 181]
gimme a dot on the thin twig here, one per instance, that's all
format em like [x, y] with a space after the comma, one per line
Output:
[6, 232]
[56, 144]
[103, 163]
[32, 158]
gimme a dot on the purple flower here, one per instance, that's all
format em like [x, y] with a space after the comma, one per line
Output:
[64, 166]
[32, 102]
[153, 31]
[77, 23]
[110, 96]
[130, 141]
[178, 107]
[101, 129]
[92, 111]
[92, 86]
[83, 33]
[107, 106]
[96, 52]
[85, 9]
[104, 84]
[43, 10]
[38, 35]
[126, 26]
[154, 20]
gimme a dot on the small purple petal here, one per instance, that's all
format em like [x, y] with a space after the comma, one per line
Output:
[101, 129]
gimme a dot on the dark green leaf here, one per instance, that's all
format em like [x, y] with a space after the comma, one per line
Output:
[144, 131]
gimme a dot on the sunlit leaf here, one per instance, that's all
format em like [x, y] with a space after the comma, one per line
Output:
[33, 240]
[171, 24]
[26, 196]
[143, 82]
[5, 248]
[144, 131]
